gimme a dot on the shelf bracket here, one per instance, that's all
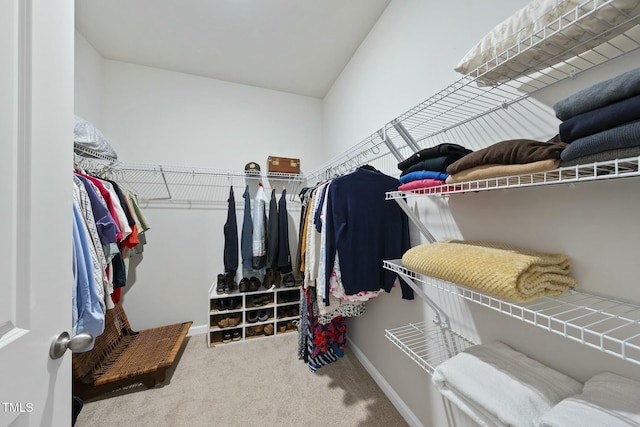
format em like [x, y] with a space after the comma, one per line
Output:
[415, 220]
[404, 133]
[394, 150]
[164, 180]
[441, 317]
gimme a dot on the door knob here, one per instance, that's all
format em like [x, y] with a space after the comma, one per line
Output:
[63, 342]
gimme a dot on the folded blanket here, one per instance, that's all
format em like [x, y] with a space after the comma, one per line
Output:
[598, 95]
[600, 119]
[498, 386]
[618, 153]
[438, 164]
[509, 152]
[606, 400]
[498, 269]
[426, 174]
[421, 183]
[494, 171]
[623, 136]
[431, 152]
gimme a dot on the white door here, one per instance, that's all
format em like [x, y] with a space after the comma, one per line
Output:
[36, 130]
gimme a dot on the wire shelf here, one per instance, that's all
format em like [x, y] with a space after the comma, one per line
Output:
[178, 184]
[610, 326]
[428, 343]
[479, 114]
[610, 169]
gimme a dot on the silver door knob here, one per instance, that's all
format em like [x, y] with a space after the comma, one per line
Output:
[63, 342]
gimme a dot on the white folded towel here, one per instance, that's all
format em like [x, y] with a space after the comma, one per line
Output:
[606, 400]
[498, 386]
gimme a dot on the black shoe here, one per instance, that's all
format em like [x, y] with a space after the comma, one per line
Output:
[230, 283]
[244, 285]
[263, 315]
[252, 316]
[222, 285]
[226, 336]
[288, 280]
[222, 304]
[235, 334]
[254, 284]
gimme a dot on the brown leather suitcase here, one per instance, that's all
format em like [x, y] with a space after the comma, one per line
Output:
[283, 165]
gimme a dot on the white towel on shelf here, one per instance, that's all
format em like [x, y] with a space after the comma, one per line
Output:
[498, 386]
[606, 400]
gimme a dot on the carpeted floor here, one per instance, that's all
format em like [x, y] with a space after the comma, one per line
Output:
[259, 382]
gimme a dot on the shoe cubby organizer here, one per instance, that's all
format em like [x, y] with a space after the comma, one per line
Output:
[240, 316]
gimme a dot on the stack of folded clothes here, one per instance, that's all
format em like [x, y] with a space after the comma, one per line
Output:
[497, 385]
[505, 158]
[427, 168]
[601, 122]
[498, 269]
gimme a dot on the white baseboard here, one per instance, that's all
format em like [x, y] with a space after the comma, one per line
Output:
[386, 388]
[197, 330]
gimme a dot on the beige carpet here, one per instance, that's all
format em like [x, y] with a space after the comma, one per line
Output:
[259, 382]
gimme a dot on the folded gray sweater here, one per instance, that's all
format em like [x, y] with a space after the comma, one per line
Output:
[600, 94]
[623, 136]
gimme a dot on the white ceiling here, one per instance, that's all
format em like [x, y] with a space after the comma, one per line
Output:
[297, 46]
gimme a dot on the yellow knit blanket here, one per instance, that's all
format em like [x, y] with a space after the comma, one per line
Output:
[498, 269]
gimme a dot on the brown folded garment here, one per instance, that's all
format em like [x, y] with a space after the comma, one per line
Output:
[494, 171]
[509, 152]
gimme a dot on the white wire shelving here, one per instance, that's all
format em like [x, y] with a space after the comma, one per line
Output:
[599, 171]
[188, 185]
[428, 343]
[610, 326]
[475, 114]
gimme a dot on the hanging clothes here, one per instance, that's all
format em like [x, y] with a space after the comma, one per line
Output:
[259, 240]
[246, 239]
[284, 254]
[272, 232]
[364, 229]
[231, 237]
[87, 313]
[115, 226]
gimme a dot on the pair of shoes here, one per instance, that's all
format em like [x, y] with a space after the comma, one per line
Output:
[228, 321]
[288, 280]
[227, 304]
[257, 315]
[290, 296]
[226, 283]
[259, 300]
[289, 312]
[272, 278]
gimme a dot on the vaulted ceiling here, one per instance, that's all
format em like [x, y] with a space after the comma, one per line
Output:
[296, 46]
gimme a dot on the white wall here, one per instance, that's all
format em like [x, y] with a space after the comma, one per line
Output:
[409, 56]
[157, 116]
[88, 81]
[152, 116]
